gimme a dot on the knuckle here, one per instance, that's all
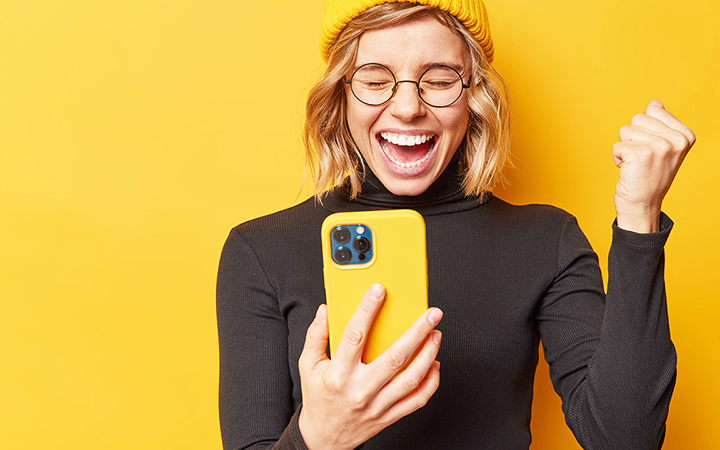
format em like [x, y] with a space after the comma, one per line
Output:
[358, 401]
[679, 141]
[411, 383]
[396, 360]
[310, 333]
[663, 146]
[646, 153]
[637, 118]
[334, 383]
[375, 413]
[306, 363]
[302, 362]
[310, 338]
[367, 306]
[353, 336]
[420, 400]
[420, 332]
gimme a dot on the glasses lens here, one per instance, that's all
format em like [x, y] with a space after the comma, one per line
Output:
[441, 86]
[373, 84]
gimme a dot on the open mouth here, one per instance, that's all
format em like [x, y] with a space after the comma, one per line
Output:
[407, 151]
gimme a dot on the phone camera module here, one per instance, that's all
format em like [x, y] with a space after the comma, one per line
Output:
[342, 255]
[341, 235]
[361, 244]
[351, 244]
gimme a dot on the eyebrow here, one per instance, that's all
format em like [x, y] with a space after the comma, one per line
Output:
[458, 67]
[455, 66]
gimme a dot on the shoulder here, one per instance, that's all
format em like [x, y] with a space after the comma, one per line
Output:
[535, 218]
[544, 234]
[533, 228]
[288, 221]
[289, 234]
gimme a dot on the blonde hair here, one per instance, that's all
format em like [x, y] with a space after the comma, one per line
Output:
[331, 154]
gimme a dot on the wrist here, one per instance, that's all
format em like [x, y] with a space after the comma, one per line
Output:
[305, 433]
[639, 223]
[312, 435]
[637, 217]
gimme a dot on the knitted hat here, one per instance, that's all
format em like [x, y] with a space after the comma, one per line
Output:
[472, 13]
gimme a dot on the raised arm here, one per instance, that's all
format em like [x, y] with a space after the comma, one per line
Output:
[612, 360]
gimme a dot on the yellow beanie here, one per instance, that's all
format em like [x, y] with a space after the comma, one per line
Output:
[472, 13]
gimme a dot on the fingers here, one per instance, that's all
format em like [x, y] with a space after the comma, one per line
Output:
[392, 360]
[346, 401]
[662, 133]
[654, 103]
[350, 347]
[656, 118]
[413, 375]
[417, 398]
[316, 340]
[623, 151]
[662, 141]
[649, 154]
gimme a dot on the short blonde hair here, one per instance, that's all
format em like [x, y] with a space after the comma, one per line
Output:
[332, 157]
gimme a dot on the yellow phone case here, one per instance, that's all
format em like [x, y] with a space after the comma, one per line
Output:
[398, 262]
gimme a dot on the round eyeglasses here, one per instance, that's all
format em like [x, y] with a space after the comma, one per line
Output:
[374, 84]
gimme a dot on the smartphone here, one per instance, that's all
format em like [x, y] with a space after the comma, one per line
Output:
[366, 247]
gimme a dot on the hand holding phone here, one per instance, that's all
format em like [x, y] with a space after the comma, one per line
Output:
[376, 289]
[346, 402]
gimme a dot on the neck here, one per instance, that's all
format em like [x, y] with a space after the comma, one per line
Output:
[445, 195]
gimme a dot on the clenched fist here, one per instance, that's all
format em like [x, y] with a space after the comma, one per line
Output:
[649, 155]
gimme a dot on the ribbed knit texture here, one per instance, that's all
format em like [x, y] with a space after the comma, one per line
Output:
[472, 13]
[507, 277]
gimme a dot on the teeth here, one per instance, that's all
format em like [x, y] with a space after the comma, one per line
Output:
[404, 165]
[405, 140]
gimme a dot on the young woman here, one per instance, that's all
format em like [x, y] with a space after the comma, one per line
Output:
[410, 114]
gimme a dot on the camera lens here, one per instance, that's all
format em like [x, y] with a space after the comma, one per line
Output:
[341, 235]
[361, 244]
[342, 255]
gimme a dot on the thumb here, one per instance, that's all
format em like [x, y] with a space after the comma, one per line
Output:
[316, 340]
[656, 103]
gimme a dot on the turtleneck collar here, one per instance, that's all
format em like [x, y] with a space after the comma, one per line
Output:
[444, 196]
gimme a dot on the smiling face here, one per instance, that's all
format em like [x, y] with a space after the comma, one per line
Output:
[406, 142]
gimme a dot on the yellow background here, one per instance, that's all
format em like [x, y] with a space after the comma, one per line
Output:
[134, 134]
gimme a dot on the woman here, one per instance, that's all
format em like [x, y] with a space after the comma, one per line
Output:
[382, 133]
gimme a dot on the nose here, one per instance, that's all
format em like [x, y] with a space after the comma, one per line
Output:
[406, 103]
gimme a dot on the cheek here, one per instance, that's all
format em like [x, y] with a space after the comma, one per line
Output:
[359, 121]
[352, 118]
[457, 125]
[353, 122]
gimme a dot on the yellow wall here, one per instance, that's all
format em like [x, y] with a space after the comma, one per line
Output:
[134, 134]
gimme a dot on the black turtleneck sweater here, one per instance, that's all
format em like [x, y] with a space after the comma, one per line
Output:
[507, 278]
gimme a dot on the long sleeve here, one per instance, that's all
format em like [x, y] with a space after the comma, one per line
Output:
[255, 397]
[507, 277]
[611, 360]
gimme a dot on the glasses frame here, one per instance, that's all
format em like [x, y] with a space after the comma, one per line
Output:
[416, 83]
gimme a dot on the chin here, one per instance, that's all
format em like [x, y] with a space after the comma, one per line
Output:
[406, 186]
[407, 189]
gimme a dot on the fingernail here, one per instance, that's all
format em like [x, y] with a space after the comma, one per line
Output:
[435, 316]
[437, 337]
[377, 290]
